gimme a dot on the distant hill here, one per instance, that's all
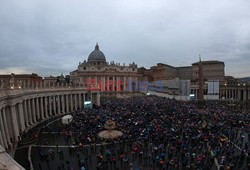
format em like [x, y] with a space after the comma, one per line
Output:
[245, 78]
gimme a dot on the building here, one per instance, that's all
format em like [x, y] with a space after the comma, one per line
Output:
[55, 79]
[175, 88]
[185, 73]
[164, 72]
[50, 80]
[212, 70]
[111, 77]
[235, 89]
[20, 80]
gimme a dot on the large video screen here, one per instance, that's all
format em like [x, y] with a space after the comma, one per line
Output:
[87, 104]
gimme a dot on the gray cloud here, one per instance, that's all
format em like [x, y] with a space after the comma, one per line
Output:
[51, 37]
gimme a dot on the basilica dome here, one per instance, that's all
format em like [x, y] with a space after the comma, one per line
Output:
[97, 55]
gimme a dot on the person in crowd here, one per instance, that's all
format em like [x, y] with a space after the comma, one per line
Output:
[158, 133]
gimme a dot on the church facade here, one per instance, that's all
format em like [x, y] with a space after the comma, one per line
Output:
[110, 77]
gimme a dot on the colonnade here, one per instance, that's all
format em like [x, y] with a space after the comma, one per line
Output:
[19, 112]
[235, 93]
[228, 93]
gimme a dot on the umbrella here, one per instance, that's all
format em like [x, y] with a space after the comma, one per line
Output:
[161, 162]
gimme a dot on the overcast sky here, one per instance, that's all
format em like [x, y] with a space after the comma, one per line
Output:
[50, 37]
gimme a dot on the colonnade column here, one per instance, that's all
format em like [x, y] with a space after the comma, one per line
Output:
[42, 107]
[1, 138]
[103, 83]
[63, 104]
[118, 84]
[7, 133]
[71, 102]
[98, 99]
[50, 106]
[96, 81]
[29, 111]
[196, 93]
[67, 103]
[83, 99]
[58, 104]
[25, 113]
[75, 101]
[37, 109]
[54, 104]
[80, 101]
[46, 106]
[21, 116]
[239, 95]
[14, 121]
[124, 84]
[2, 130]
[33, 111]
[236, 94]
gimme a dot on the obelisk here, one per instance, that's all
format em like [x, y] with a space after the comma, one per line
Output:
[201, 92]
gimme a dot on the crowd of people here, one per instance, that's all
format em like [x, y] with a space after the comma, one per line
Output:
[158, 133]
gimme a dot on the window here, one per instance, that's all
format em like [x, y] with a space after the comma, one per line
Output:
[84, 68]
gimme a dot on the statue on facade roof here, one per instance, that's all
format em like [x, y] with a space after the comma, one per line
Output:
[12, 81]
